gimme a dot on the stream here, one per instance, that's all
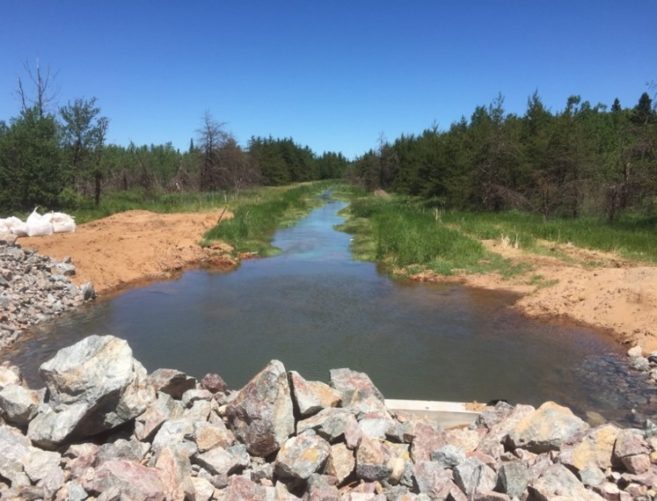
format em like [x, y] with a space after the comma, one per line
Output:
[315, 308]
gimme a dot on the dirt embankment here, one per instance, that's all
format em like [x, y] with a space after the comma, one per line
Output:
[594, 288]
[135, 246]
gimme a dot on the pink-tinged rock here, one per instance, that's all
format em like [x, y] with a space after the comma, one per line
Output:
[312, 396]
[214, 383]
[639, 463]
[432, 479]
[132, 480]
[465, 439]
[261, 415]
[301, 456]
[426, 439]
[242, 489]
[357, 390]
[173, 467]
[79, 458]
[629, 442]
[341, 462]
[208, 436]
[9, 374]
[548, 428]
[557, 480]
[198, 489]
[172, 382]
[372, 458]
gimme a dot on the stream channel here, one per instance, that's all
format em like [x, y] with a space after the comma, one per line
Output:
[315, 308]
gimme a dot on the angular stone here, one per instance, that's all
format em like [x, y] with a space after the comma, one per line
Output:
[376, 424]
[18, 405]
[640, 364]
[9, 374]
[198, 411]
[433, 480]
[557, 480]
[174, 467]
[162, 409]
[331, 423]
[261, 414]
[357, 390]
[43, 468]
[591, 476]
[639, 463]
[175, 433]
[448, 456]
[198, 489]
[312, 396]
[594, 449]
[474, 476]
[301, 456]
[465, 439]
[548, 428]
[501, 423]
[214, 383]
[220, 461]
[372, 460]
[132, 480]
[172, 382]
[131, 450]
[341, 462]
[635, 351]
[513, 478]
[629, 442]
[322, 488]
[208, 436]
[190, 396]
[94, 385]
[14, 448]
[426, 438]
[242, 489]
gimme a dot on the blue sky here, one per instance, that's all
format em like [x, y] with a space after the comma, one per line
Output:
[334, 75]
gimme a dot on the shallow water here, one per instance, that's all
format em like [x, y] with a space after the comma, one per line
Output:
[315, 308]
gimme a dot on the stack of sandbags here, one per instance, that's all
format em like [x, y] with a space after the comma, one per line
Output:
[38, 224]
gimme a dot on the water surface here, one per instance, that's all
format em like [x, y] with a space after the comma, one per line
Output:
[315, 308]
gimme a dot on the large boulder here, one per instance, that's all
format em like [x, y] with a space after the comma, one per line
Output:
[547, 428]
[93, 386]
[595, 449]
[261, 415]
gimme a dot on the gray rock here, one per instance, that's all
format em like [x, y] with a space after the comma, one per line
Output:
[172, 382]
[131, 450]
[162, 409]
[220, 461]
[210, 435]
[640, 364]
[474, 476]
[191, 396]
[433, 480]
[94, 385]
[18, 405]
[331, 423]
[513, 478]
[176, 433]
[341, 462]
[43, 469]
[261, 414]
[301, 456]
[312, 396]
[357, 391]
[14, 448]
[548, 428]
[448, 456]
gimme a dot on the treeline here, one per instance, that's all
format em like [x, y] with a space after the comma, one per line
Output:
[583, 159]
[59, 157]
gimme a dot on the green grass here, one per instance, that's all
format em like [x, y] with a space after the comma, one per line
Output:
[111, 203]
[259, 213]
[632, 237]
[403, 234]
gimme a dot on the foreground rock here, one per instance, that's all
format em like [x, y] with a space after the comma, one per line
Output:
[120, 434]
[33, 289]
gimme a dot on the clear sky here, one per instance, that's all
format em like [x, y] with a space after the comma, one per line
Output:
[334, 75]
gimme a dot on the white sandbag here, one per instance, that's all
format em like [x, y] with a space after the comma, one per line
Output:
[38, 225]
[62, 223]
[16, 226]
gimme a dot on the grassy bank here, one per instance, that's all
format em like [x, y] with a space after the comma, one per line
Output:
[257, 214]
[408, 237]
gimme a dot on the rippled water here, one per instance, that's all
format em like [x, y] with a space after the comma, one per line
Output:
[315, 308]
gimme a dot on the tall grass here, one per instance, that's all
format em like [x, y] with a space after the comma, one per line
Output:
[257, 216]
[633, 237]
[402, 234]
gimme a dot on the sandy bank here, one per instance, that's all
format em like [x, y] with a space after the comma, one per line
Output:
[590, 287]
[135, 246]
